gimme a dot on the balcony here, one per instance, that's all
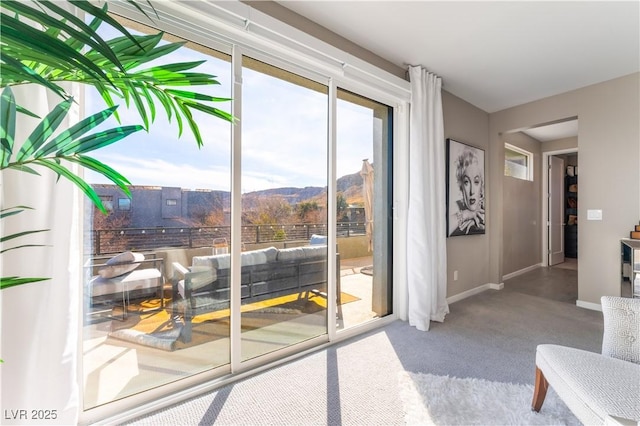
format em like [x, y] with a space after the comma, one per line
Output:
[117, 240]
[115, 368]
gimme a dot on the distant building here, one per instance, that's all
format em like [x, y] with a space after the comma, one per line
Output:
[161, 206]
[155, 206]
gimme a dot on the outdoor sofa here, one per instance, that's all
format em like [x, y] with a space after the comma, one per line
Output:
[265, 274]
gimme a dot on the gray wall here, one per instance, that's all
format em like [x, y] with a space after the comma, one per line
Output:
[301, 23]
[609, 135]
[522, 211]
[609, 149]
[560, 144]
[469, 254]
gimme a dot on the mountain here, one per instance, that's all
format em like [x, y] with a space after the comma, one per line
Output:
[346, 182]
[350, 186]
[292, 195]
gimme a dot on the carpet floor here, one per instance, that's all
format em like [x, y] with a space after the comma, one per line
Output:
[491, 336]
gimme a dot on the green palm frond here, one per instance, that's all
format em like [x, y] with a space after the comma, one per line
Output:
[6, 282]
[10, 211]
[65, 49]
[7, 126]
[41, 149]
[9, 237]
[42, 43]
[27, 38]
[78, 30]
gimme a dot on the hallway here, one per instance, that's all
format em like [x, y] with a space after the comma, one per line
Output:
[553, 283]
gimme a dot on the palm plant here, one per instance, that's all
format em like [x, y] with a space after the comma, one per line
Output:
[57, 47]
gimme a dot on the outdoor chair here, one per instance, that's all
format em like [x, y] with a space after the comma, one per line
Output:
[120, 276]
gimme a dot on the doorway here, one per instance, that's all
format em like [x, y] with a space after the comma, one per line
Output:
[560, 211]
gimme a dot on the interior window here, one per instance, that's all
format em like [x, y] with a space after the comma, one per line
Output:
[518, 163]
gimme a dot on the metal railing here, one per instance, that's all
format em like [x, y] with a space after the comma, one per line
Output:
[107, 241]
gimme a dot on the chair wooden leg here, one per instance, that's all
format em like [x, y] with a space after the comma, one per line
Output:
[540, 391]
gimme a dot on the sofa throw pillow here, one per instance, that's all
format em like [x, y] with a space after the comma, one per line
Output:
[318, 240]
[621, 337]
[121, 264]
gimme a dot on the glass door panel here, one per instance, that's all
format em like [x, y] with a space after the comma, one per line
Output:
[284, 209]
[364, 131]
[153, 317]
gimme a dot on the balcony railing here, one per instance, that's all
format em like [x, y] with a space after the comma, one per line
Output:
[107, 241]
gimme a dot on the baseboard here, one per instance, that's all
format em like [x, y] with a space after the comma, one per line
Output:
[589, 305]
[522, 271]
[473, 291]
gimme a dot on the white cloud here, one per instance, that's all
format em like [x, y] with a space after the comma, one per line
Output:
[284, 138]
[158, 172]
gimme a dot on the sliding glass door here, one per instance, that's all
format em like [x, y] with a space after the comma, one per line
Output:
[284, 209]
[363, 163]
[174, 288]
[144, 322]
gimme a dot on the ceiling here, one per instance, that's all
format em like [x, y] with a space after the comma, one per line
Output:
[552, 132]
[494, 54]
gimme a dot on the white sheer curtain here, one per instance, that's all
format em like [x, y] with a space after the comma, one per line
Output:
[39, 321]
[426, 222]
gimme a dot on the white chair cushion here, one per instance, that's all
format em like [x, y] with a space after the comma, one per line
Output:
[136, 280]
[593, 386]
[621, 337]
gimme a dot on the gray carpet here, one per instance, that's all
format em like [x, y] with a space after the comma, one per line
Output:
[490, 336]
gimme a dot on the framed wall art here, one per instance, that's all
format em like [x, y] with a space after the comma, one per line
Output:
[465, 189]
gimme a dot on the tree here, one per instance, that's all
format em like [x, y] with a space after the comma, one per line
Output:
[305, 209]
[208, 217]
[43, 43]
[341, 205]
[107, 228]
[268, 211]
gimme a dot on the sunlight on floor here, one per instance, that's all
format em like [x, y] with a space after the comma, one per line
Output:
[115, 369]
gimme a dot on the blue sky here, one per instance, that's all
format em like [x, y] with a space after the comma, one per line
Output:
[284, 137]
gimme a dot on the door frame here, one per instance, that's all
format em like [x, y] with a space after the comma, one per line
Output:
[545, 200]
[555, 171]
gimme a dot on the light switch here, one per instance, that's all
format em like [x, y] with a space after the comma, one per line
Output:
[594, 214]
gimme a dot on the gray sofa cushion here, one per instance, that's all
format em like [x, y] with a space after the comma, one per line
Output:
[249, 258]
[302, 253]
[293, 253]
[318, 240]
[313, 252]
[258, 257]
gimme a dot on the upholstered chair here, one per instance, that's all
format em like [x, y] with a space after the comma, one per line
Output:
[598, 388]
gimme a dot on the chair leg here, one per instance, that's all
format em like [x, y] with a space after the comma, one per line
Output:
[540, 391]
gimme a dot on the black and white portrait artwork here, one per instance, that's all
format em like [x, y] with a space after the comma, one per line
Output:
[465, 189]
